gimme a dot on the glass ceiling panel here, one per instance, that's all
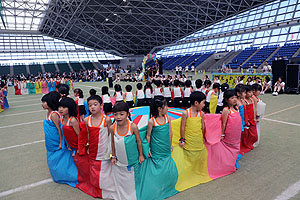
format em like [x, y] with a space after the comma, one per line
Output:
[23, 14]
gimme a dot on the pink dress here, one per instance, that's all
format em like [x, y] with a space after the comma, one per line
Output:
[45, 87]
[222, 155]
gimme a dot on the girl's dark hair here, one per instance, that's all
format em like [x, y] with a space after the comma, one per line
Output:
[216, 85]
[248, 88]
[207, 82]
[118, 88]
[121, 106]
[267, 78]
[197, 96]
[63, 91]
[224, 87]
[227, 95]
[158, 83]
[79, 92]
[157, 102]
[176, 83]
[148, 85]
[139, 86]
[198, 83]
[92, 92]
[104, 90]
[188, 83]
[70, 104]
[240, 88]
[249, 78]
[256, 87]
[128, 88]
[62, 85]
[166, 83]
[96, 98]
[52, 100]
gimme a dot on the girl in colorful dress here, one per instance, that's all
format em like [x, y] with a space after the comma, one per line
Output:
[44, 86]
[249, 137]
[161, 174]
[125, 160]
[17, 87]
[4, 90]
[190, 155]
[31, 87]
[51, 85]
[38, 86]
[24, 88]
[98, 144]
[59, 157]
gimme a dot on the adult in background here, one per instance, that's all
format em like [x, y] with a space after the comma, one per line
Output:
[267, 68]
[160, 65]
[110, 72]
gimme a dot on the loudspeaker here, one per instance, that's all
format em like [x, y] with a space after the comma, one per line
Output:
[292, 77]
[279, 70]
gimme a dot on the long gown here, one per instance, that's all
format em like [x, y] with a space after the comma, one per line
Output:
[222, 155]
[159, 173]
[17, 89]
[81, 161]
[44, 87]
[191, 161]
[38, 89]
[6, 105]
[249, 136]
[24, 88]
[60, 162]
[31, 87]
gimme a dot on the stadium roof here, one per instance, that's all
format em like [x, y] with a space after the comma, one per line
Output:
[124, 26]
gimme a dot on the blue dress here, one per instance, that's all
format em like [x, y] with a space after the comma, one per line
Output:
[5, 100]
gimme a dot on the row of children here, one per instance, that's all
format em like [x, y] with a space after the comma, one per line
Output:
[39, 86]
[3, 97]
[117, 160]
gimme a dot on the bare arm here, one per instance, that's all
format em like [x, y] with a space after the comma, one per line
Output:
[74, 123]
[108, 123]
[182, 128]
[113, 149]
[149, 130]
[55, 119]
[225, 114]
[87, 129]
[139, 142]
[202, 122]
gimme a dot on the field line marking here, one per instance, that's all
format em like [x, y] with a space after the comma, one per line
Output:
[25, 187]
[282, 122]
[22, 113]
[290, 192]
[24, 100]
[26, 105]
[21, 145]
[24, 97]
[274, 113]
[26, 123]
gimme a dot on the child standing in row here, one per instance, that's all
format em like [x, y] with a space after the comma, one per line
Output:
[177, 94]
[128, 96]
[107, 105]
[78, 94]
[118, 93]
[187, 92]
[123, 173]
[140, 95]
[167, 93]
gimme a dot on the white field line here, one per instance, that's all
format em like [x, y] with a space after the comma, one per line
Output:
[282, 122]
[21, 124]
[22, 113]
[21, 145]
[274, 113]
[24, 100]
[290, 192]
[25, 187]
[19, 97]
[34, 104]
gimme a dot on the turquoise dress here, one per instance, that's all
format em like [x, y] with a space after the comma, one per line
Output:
[31, 88]
[159, 173]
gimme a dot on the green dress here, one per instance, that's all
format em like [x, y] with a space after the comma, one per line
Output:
[31, 88]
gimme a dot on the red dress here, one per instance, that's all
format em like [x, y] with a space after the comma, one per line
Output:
[17, 89]
[249, 135]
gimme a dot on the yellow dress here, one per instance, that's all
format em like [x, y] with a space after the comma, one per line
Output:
[191, 161]
[38, 87]
[71, 84]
